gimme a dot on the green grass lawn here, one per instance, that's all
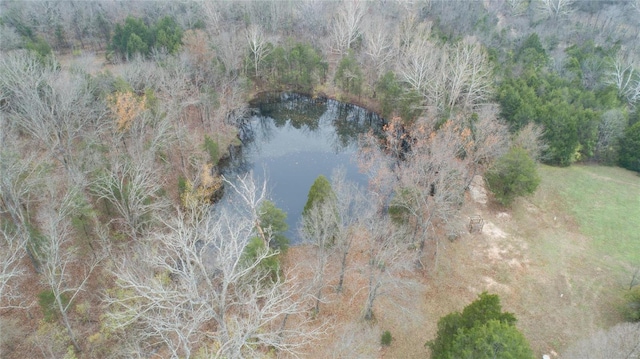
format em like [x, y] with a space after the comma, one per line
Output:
[605, 201]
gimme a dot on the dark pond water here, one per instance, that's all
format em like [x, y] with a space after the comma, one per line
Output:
[292, 139]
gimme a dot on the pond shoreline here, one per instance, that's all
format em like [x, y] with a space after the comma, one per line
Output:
[370, 106]
[291, 138]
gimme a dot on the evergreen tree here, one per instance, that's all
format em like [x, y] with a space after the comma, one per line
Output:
[495, 339]
[319, 192]
[482, 330]
[167, 35]
[514, 174]
[349, 75]
[630, 148]
[274, 219]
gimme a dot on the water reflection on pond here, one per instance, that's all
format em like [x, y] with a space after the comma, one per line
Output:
[292, 140]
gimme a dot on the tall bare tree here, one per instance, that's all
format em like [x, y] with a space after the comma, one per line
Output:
[258, 45]
[387, 257]
[351, 208]
[20, 177]
[432, 183]
[556, 8]
[12, 250]
[610, 130]
[230, 49]
[320, 228]
[56, 108]
[447, 76]
[193, 287]
[625, 77]
[530, 139]
[470, 75]
[517, 7]
[489, 139]
[132, 188]
[346, 25]
[62, 272]
[379, 44]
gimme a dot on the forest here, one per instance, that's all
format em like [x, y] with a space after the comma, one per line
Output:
[116, 118]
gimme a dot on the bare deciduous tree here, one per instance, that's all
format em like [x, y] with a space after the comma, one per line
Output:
[610, 130]
[517, 7]
[556, 8]
[346, 24]
[56, 108]
[258, 45]
[624, 76]
[230, 50]
[193, 287]
[472, 74]
[12, 250]
[431, 181]
[58, 257]
[351, 208]
[320, 228]
[132, 188]
[387, 257]
[199, 54]
[212, 16]
[447, 76]
[489, 140]
[420, 66]
[379, 44]
[530, 139]
[19, 178]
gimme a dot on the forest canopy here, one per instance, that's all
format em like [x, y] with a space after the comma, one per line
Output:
[116, 118]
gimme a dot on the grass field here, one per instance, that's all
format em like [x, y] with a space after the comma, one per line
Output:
[605, 201]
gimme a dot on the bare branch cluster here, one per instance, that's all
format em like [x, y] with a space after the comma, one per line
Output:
[556, 8]
[346, 25]
[56, 108]
[447, 76]
[193, 286]
[624, 75]
[58, 256]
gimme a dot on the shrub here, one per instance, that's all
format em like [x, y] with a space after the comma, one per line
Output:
[631, 308]
[274, 220]
[630, 148]
[182, 185]
[211, 147]
[47, 302]
[386, 338]
[349, 75]
[256, 248]
[319, 192]
[514, 174]
[40, 47]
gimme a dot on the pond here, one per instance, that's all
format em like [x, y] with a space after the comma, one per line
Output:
[292, 139]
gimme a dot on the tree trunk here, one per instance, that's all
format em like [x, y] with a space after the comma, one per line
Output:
[371, 297]
[65, 319]
[368, 312]
[343, 268]
[316, 310]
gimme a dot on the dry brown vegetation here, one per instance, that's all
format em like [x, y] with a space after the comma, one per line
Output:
[533, 255]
